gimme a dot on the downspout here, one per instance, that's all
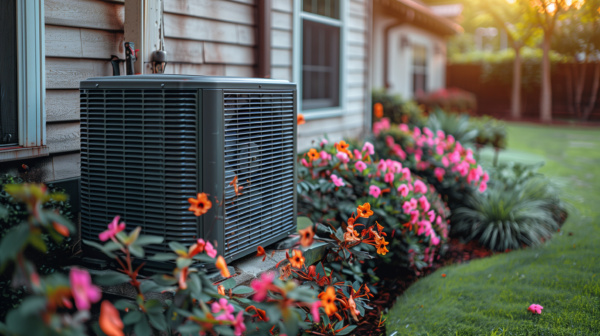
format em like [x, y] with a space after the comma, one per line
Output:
[368, 122]
[386, 56]
[263, 33]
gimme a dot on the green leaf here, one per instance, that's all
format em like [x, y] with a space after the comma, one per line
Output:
[99, 247]
[175, 246]
[189, 328]
[303, 222]
[223, 330]
[148, 286]
[32, 305]
[184, 262]
[111, 278]
[164, 280]
[204, 258]
[132, 317]
[148, 240]
[124, 304]
[38, 242]
[242, 290]
[136, 250]
[194, 283]
[54, 217]
[158, 321]
[13, 242]
[347, 331]
[142, 327]
[163, 257]
[229, 283]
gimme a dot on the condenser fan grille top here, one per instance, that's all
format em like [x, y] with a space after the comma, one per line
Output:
[259, 155]
[139, 160]
[148, 143]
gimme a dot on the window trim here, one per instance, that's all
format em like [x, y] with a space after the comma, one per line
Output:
[299, 15]
[31, 116]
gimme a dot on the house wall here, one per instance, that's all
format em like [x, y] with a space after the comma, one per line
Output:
[399, 57]
[353, 121]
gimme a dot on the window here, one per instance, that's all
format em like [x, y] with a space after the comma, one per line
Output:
[321, 53]
[419, 65]
[22, 120]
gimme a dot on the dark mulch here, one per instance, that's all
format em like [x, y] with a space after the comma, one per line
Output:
[395, 281]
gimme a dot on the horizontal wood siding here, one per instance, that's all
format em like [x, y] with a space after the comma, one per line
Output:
[282, 22]
[211, 37]
[351, 124]
[80, 37]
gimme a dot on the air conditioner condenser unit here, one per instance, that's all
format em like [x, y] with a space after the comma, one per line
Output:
[150, 142]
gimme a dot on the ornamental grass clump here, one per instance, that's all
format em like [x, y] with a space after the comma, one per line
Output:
[408, 210]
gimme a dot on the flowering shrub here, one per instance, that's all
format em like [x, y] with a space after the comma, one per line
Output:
[303, 296]
[437, 157]
[333, 178]
[396, 109]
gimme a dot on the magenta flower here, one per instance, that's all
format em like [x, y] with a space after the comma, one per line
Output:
[314, 310]
[368, 147]
[420, 187]
[482, 187]
[323, 142]
[403, 190]
[261, 286]
[435, 240]
[305, 163]
[238, 324]
[210, 250]
[114, 227]
[406, 207]
[399, 152]
[414, 216]
[424, 227]
[403, 127]
[337, 181]
[445, 161]
[225, 307]
[424, 203]
[381, 166]
[431, 215]
[84, 292]
[439, 173]
[325, 156]
[389, 177]
[535, 308]
[343, 157]
[374, 191]
[441, 134]
[405, 174]
[360, 166]
[485, 177]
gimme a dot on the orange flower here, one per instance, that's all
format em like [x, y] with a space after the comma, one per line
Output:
[353, 311]
[328, 301]
[221, 290]
[236, 188]
[285, 272]
[297, 260]
[183, 278]
[261, 314]
[351, 236]
[261, 253]
[110, 321]
[380, 243]
[342, 146]
[201, 205]
[313, 154]
[222, 266]
[378, 109]
[443, 275]
[300, 119]
[364, 210]
[61, 229]
[307, 236]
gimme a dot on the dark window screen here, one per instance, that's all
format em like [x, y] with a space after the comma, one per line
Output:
[329, 8]
[419, 69]
[8, 73]
[320, 65]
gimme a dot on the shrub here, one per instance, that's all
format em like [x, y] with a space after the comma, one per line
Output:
[333, 178]
[440, 159]
[454, 100]
[490, 131]
[396, 109]
[457, 125]
[519, 209]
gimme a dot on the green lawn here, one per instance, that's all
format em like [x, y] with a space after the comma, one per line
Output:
[490, 296]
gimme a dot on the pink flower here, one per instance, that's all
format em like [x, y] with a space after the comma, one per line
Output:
[407, 206]
[445, 161]
[374, 191]
[238, 324]
[416, 132]
[337, 181]
[435, 240]
[427, 132]
[389, 141]
[357, 154]
[389, 177]
[420, 187]
[225, 307]
[368, 147]
[210, 250]
[84, 292]
[403, 127]
[399, 152]
[454, 157]
[403, 190]
[431, 215]
[424, 227]
[414, 216]
[439, 173]
[441, 134]
[463, 168]
[381, 166]
[535, 308]
[113, 229]
[482, 187]
[450, 139]
[360, 166]
[325, 156]
[261, 286]
[413, 203]
[439, 150]
[343, 157]
[405, 174]
[305, 163]
[485, 177]
[323, 142]
[314, 310]
[469, 157]
[424, 203]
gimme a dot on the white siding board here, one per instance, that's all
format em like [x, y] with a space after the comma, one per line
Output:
[281, 21]
[281, 73]
[186, 51]
[246, 35]
[282, 5]
[66, 166]
[196, 69]
[192, 28]
[63, 137]
[239, 71]
[84, 13]
[221, 10]
[82, 43]
[281, 57]
[62, 105]
[228, 54]
[281, 39]
[64, 73]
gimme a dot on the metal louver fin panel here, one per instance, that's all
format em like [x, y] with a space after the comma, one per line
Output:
[259, 151]
[139, 160]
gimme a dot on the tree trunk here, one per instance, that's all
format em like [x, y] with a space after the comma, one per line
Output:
[515, 104]
[594, 94]
[569, 72]
[580, 80]
[546, 90]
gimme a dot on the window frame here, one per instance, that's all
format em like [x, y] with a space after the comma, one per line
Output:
[31, 91]
[327, 112]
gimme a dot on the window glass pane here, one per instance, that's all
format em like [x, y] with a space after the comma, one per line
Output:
[419, 65]
[8, 73]
[329, 8]
[320, 65]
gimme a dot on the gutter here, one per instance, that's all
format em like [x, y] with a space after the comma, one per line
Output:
[263, 38]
